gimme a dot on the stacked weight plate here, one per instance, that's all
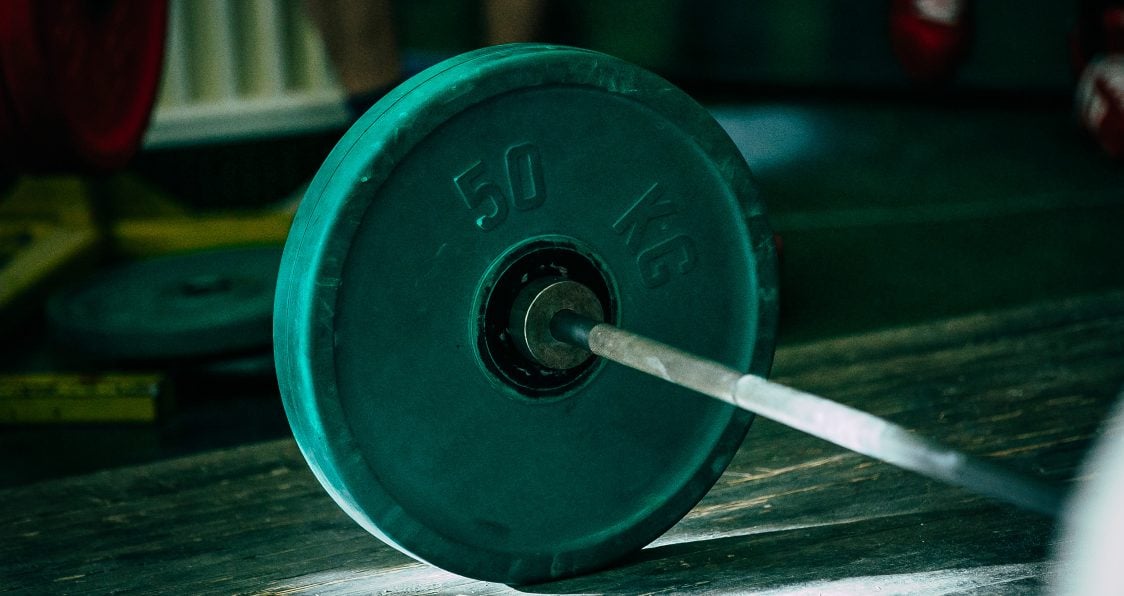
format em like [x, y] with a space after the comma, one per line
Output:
[198, 306]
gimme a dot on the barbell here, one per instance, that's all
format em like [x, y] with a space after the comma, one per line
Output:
[465, 273]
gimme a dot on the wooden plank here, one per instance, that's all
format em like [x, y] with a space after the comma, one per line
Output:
[154, 236]
[35, 256]
[792, 512]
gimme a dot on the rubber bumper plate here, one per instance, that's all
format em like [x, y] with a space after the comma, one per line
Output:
[185, 306]
[471, 180]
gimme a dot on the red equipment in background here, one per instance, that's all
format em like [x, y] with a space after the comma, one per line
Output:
[78, 79]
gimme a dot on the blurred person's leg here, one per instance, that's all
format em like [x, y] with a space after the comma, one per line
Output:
[509, 21]
[359, 35]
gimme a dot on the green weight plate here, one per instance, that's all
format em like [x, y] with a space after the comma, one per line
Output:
[185, 306]
[474, 178]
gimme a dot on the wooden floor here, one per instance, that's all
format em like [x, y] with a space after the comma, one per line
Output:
[792, 513]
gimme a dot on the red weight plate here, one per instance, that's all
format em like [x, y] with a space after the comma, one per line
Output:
[81, 76]
[931, 39]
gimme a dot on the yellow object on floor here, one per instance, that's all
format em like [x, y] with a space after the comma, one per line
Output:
[40, 398]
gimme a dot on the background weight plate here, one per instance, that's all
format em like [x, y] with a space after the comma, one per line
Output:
[403, 241]
[192, 305]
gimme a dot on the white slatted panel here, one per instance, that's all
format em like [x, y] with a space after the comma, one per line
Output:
[263, 47]
[242, 68]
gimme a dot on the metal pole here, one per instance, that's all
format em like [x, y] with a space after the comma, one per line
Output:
[843, 425]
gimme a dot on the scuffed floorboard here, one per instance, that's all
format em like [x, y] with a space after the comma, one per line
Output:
[792, 515]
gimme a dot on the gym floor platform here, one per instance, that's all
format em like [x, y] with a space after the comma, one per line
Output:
[954, 270]
[792, 514]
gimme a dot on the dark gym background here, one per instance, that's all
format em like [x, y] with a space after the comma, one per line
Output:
[896, 202]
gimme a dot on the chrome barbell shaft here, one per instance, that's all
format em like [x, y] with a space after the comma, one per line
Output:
[820, 417]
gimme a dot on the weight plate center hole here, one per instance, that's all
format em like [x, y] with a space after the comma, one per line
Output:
[205, 285]
[534, 310]
[535, 283]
